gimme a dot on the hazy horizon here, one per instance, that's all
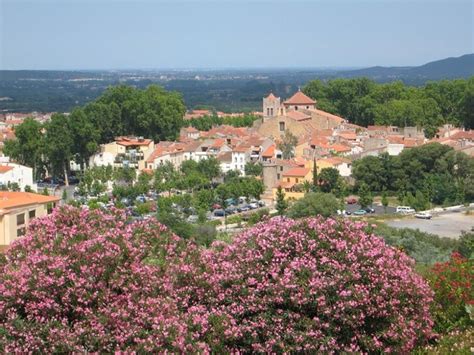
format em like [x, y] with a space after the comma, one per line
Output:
[205, 35]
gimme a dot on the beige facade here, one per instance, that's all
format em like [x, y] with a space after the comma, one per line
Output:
[17, 209]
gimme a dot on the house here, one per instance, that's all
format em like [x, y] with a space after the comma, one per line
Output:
[125, 151]
[291, 182]
[17, 209]
[342, 165]
[16, 173]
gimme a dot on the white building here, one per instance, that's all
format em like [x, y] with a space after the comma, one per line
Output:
[16, 173]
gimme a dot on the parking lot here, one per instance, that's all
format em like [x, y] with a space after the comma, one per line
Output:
[449, 224]
[378, 209]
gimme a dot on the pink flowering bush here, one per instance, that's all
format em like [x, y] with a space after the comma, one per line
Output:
[84, 281]
[314, 285]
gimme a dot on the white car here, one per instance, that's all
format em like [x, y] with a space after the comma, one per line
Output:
[405, 210]
[423, 215]
[253, 205]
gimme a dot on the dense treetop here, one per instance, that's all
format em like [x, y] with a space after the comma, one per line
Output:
[364, 102]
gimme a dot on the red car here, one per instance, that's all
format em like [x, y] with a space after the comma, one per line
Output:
[216, 206]
[351, 200]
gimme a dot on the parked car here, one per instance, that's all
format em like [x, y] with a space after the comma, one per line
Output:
[405, 210]
[244, 208]
[73, 180]
[253, 205]
[423, 215]
[216, 206]
[261, 203]
[351, 200]
[360, 212]
[369, 210]
[230, 201]
[230, 210]
[219, 213]
[141, 199]
[242, 199]
[125, 201]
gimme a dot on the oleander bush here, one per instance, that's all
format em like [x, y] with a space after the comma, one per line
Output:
[87, 281]
[452, 282]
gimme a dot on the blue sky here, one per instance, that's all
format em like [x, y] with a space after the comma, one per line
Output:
[108, 34]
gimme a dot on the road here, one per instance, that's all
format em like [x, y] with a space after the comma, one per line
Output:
[448, 225]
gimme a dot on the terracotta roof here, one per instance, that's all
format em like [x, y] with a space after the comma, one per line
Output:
[131, 141]
[191, 129]
[340, 148]
[298, 115]
[299, 99]
[226, 156]
[328, 115]
[297, 172]
[335, 160]
[269, 152]
[271, 97]
[241, 149]
[286, 184]
[5, 168]
[463, 135]
[9, 199]
[348, 135]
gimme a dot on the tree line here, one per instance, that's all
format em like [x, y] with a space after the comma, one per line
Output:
[433, 173]
[205, 123]
[120, 110]
[365, 102]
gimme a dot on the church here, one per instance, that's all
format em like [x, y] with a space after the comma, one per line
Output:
[298, 114]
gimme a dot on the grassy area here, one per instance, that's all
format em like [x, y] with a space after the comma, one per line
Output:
[456, 342]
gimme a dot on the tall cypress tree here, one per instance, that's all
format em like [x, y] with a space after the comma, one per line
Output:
[281, 204]
[315, 175]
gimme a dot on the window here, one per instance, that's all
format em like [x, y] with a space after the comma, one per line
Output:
[307, 107]
[296, 108]
[281, 168]
[288, 179]
[20, 219]
[296, 180]
[241, 159]
[32, 214]
[271, 111]
[278, 176]
[282, 126]
[20, 231]
[268, 111]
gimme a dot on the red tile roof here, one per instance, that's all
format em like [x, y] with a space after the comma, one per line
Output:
[299, 99]
[5, 168]
[131, 141]
[271, 97]
[269, 152]
[298, 116]
[301, 172]
[9, 199]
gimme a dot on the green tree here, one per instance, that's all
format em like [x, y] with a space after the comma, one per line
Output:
[254, 169]
[385, 201]
[315, 175]
[365, 197]
[85, 136]
[281, 203]
[329, 179]
[58, 145]
[209, 167]
[313, 204]
[28, 146]
[287, 145]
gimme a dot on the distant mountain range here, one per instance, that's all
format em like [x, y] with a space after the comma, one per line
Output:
[449, 68]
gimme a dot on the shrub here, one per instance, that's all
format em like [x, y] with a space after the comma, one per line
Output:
[313, 204]
[313, 285]
[452, 283]
[90, 281]
[83, 281]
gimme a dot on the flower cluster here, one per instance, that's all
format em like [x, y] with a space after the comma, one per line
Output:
[452, 283]
[83, 281]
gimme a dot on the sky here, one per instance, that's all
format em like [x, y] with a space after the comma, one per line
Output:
[146, 34]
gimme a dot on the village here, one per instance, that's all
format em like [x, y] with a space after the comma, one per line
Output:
[290, 141]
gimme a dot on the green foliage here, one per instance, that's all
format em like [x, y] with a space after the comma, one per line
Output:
[287, 145]
[365, 197]
[313, 204]
[329, 180]
[254, 169]
[281, 203]
[436, 172]
[207, 122]
[385, 200]
[64, 195]
[425, 248]
[364, 102]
